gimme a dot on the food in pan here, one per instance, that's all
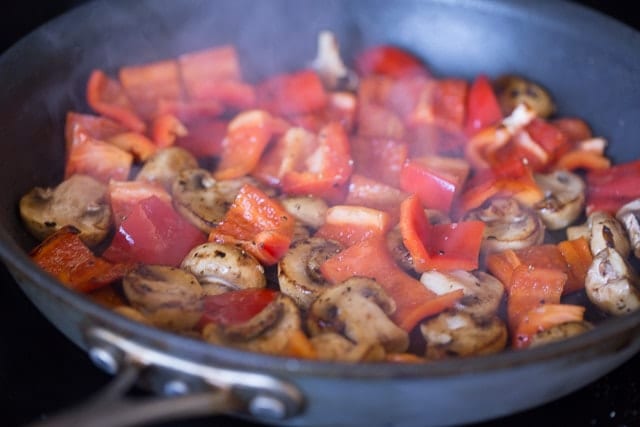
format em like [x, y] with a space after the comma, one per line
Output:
[379, 213]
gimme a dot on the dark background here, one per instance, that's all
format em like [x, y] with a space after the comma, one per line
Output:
[41, 371]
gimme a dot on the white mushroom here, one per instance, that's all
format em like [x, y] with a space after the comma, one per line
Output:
[310, 211]
[165, 165]
[455, 334]
[335, 347]
[611, 283]
[559, 332]
[515, 90]
[299, 270]
[330, 66]
[168, 297]
[482, 292]
[79, 201]
[564, 196]
[629, 217]
[267, 332]
[357, 308]
[508, 225]
[603, 231]
[222, 264]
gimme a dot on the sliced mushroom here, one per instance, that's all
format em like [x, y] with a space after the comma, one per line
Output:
[299, 270]
[330, 66]
[515, 90]
[603, 231]
[335, 347]
[222, 264]
[357, 308]
[132, 313]
[482, 292]
[611, 283]
[455, 334]
[629, 217]
[267, 332]
[310, 211]
[168, 297]
[165, 165]
[559, 332]
[509, 225]
[79, 201]
[202, 199]
[398, 250]
[564, 196]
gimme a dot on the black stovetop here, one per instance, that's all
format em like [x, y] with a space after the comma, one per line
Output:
[41, 371]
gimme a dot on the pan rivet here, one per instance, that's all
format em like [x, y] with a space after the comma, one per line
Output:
[175, 388]
[104, 359]
[267, 406]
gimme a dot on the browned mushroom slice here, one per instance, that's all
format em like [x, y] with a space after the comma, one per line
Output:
[603, 231]
[79, 201]
[611, 283]
[629, 217]
[559, 332]
[226, 265]
[299, 270]
[335, 347]
[168, 297]
[515, 90]
[165, 165]
[455, 334]
[508, 225]
[269, 331]
[564, 197]
[482, 292]
[310, 211]
[357, 308]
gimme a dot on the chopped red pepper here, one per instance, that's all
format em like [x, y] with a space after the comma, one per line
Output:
[551, 138]
[370, 258]
[107, 97]
[135, 143]
[189, 111]
[297, 93]
[349, 225]
[259, 224]
[204, 138]
[578, 257]
[165, 129]
[373, 194]
[611, 188]
[66, 257]
[98, 159]
[96, 127]
[231, 308]
[124, 196]
[575, 130]
[483, 108]
[390, 61]
[545, 317]
[381, 159]
[205, 68]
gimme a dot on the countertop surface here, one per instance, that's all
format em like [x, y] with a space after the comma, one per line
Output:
[41, 371]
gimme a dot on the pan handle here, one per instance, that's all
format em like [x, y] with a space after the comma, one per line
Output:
[190, 389]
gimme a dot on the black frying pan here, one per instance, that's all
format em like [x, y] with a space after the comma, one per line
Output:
[588, 62]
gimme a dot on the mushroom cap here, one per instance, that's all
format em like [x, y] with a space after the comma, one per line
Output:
[164, 166]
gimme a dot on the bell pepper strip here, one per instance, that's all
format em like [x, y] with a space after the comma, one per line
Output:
[523, 149]
[370, 258]
[68, 259]
[258, 224]
[247, 137]
[449, 103]
[389, 61]
[327, 170]
[374, 194]
[99, 159]
[165, 129]
[192, 110]
[542, 318]
[576, 160]
[146, 84]
[531, 287]
[578, 257]
[135, 143]
[574, 129]
[376, 121]
[483, 108]
[440, 246]
[204, 138]
[381, 159]
[124, 196]
[233, 95]
[549, 137]
[234, 307]
[96, 127]
[203, 68]
[107, 97]
[502, 264]
[435, 180]
[349, 225]
[288, 94]
[153, 233]
[611, 188]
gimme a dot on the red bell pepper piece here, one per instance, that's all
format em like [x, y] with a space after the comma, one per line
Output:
[259, 224]
[96, 127]
[124, 196]
[522, 148]
[583, 160]
[191, 110]
[288, 94]
[370, 258]
[204, 138]
[578, 258]
[327, 170]
[377, 121]
[611, 188]
[99, 159]
[66, 257]
[483, 108]
[374, 194]
[435, 180]
[165, 129]
[147, 84]
[575, 130]
[449, 104]
[349, 225]
[107, 97]
[379, 158]
[135, 143]
[440, 246]
[153, 233]
[231, 308]
[544, 317]
[390, 61]
[551, 138]
[204, 68]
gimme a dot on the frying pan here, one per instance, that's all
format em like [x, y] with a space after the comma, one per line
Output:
[588, 62]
